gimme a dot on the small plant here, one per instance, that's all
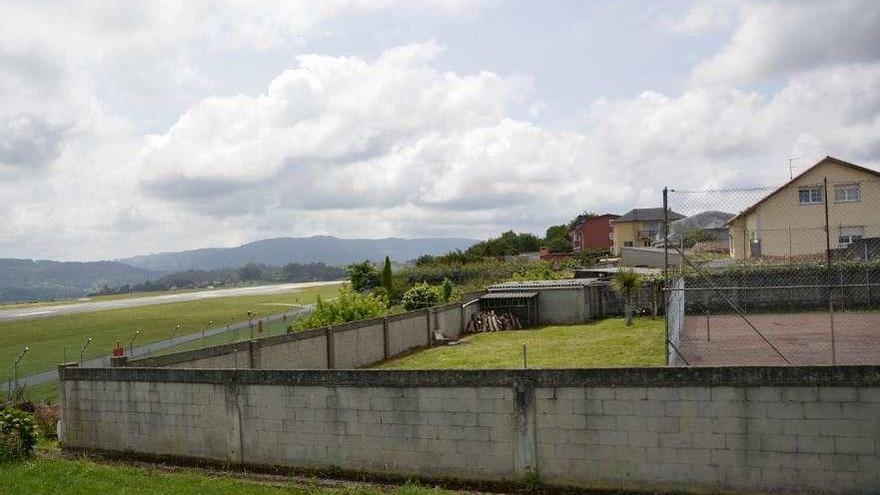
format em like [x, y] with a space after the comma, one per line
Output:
[18, 434]
[532, 479]
[420, 296]
[626, 283]
[447, 288]
[46, 416]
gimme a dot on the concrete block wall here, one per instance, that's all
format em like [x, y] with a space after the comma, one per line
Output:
[301, 350]
[408, 331]
[447, 319]
[756, 429]
[721, 438]
[359, 343]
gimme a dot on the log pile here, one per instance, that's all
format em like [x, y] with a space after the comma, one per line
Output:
[488, 321]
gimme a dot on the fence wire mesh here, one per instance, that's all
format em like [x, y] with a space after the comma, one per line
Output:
[774, 276]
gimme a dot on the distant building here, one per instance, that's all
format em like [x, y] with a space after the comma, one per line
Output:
[790, 221]
[593, 233]
[640, 227]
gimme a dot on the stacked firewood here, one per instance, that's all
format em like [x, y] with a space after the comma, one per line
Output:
[488, 321]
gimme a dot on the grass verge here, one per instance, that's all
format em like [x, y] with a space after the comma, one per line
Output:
[82, 476]
[606, 343]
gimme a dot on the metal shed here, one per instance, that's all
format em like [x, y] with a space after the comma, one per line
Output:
[523, 305]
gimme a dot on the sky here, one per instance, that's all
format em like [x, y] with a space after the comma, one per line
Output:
[136, 127]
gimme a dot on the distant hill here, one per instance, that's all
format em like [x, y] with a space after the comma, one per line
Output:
[30, 280]
[278, 252]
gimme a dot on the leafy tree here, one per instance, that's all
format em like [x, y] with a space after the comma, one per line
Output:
[420, 296]
[557, 239]
[387, 282]
[626, 282]
[447, 286]
[251, 271]
[363, 276]
[582, 217]
[556, 232]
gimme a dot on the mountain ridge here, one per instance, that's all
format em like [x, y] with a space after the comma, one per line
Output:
[282, 250]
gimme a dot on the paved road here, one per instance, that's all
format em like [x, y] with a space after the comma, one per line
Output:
[87, 307]
[148, 349]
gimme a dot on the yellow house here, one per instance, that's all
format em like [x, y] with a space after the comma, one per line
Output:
[790, 221]
[640, 227]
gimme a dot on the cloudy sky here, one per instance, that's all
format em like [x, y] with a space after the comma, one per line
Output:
[135, 127]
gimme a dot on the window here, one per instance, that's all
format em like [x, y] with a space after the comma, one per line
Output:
[847, 193]
[627, 244]
[810, 195]
[849, 235]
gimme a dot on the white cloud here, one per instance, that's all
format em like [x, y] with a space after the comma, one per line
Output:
[703, 16]
[389, 145]
[779, 38]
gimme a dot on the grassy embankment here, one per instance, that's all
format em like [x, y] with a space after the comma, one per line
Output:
[51, 339]
[51, 476]
[606, 343]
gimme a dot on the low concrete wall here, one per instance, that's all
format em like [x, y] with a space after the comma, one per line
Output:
[302, 350]
[447, 319]
[408, 331]
[755, 429]
[359, 343]
[349, 345]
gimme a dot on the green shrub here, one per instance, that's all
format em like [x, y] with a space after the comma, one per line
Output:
[18, 434]
[421, 296]
[349, 306]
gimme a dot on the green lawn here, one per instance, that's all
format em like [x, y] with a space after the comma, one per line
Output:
[602, 344]
[51, 339]
[80, 476]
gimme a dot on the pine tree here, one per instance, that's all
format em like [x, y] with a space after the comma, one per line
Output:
[386, 276]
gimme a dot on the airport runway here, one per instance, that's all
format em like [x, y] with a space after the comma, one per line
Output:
[89, 306]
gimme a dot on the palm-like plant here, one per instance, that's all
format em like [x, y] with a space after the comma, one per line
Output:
[626, 283]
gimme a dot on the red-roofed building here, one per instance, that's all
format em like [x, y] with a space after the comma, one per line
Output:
[593, 233]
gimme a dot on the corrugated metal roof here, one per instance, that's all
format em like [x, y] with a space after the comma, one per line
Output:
[542, 284]
[509, 295]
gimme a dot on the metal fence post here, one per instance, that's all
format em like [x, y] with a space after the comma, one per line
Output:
[666, 270]
[829, 270]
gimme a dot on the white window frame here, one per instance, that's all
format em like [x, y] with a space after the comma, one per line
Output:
[851, 193]
[849, 234]
[811, 200]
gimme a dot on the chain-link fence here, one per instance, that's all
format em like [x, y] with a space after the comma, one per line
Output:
[775, 276]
